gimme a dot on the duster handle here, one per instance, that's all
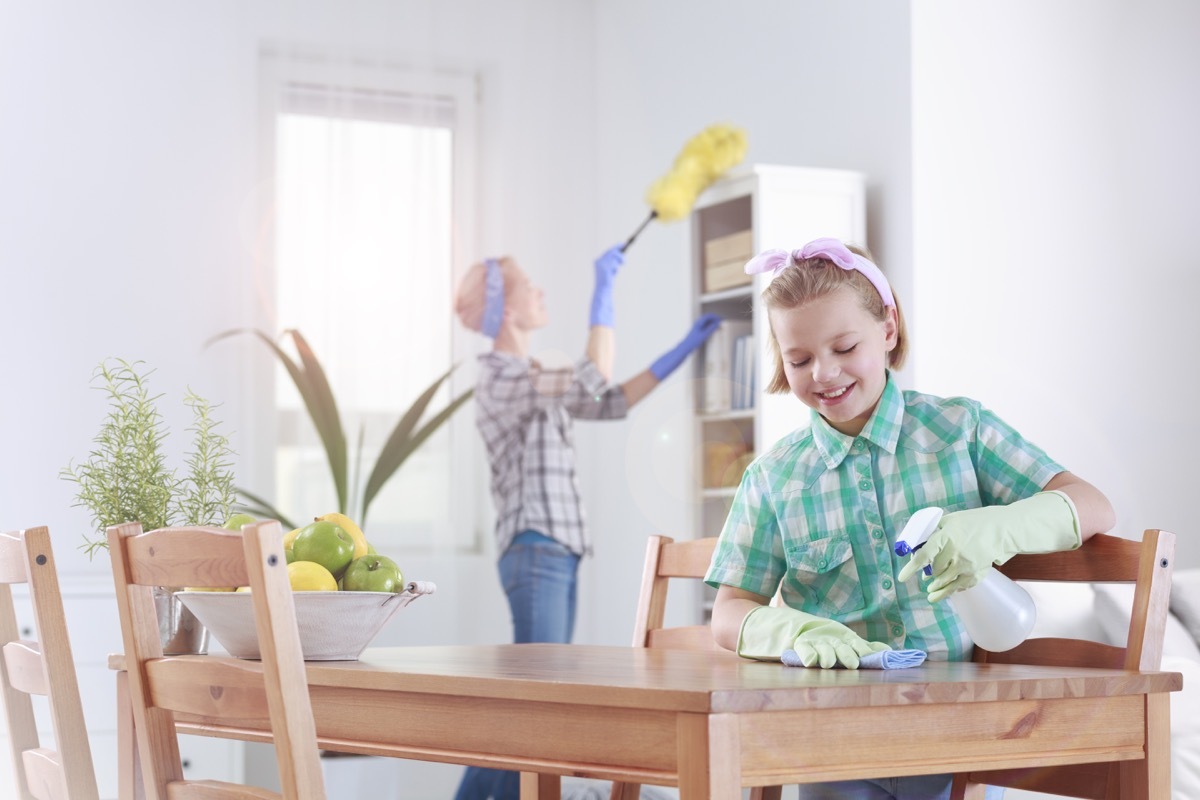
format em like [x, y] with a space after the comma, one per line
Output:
[640, 228]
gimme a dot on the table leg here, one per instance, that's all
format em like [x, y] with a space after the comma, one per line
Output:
[129, 766]
[536, 786]
[1151, 779]
[709, 757]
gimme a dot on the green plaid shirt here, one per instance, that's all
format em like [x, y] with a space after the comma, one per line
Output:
[820, 512]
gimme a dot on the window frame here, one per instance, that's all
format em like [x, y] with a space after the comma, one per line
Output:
[282, 66]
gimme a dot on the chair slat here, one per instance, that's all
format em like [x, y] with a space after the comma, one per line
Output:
[688, 559]
[1055, 652]
[12, 559]
[210, 689]
[695, 637]
[169, 557]
[1103, 559]
[44, 774]
[217, 790]
[1088, 781]
[26, 672]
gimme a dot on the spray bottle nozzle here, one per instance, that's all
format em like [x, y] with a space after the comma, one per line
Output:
[917, 531]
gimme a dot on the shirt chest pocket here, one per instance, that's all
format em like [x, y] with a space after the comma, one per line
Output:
[826, 575]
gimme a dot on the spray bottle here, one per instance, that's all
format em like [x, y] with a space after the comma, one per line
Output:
[997, 613]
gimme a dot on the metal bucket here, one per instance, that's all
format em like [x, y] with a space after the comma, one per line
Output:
[181, 633]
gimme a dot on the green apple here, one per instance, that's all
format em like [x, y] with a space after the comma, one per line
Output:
[236, 522]
[373, 574]
[326, 544]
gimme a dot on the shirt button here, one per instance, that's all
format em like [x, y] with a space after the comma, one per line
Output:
[887, 584]
[823, 563]
[878, 534]
[864, 485]
[858, 445]
[897, 630]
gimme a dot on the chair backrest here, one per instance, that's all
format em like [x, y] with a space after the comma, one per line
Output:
[667, 559]
[274, 688]
[42, 667]
[1148, 565]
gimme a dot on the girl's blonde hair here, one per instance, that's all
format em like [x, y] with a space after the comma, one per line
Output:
[470, 298]
[818, 277]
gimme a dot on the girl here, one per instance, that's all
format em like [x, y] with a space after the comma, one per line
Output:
[525, 414]
[817, 515]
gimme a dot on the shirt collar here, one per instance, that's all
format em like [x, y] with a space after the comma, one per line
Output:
[882, 428]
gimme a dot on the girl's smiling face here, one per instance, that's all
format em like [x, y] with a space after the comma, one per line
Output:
[835, 356]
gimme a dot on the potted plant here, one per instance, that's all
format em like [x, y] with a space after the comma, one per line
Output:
[408, 434]
[126, 478]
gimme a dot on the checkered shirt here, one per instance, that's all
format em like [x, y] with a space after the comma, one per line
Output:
[525, 414]
[821, 511]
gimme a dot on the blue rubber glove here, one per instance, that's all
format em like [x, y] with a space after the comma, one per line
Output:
[669, 361]
[606, 270]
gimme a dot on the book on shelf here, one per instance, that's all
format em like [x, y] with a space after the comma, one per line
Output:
[725, 259]
[728, 368]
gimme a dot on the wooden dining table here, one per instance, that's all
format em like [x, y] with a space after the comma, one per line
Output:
[712, 722]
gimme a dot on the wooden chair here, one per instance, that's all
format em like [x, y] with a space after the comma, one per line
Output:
[667, 560]
[1102, 559]
[43, 667]
[206, 687]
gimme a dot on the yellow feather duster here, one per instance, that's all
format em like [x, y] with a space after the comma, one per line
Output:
[704, 158]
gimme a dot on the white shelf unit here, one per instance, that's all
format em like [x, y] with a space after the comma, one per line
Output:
[781, 207]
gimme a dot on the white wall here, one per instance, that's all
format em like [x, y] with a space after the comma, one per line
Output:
[1057, 254]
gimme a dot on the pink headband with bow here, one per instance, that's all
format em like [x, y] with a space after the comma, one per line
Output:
[776, 261]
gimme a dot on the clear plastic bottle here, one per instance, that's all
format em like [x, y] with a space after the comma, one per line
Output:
[997, 612]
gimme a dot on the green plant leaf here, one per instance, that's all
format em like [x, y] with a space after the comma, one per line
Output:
[402, 442]
[261, 509]
[330, 423]
[313, 387]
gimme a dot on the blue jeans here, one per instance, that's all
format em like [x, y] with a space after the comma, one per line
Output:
[539, 576]
[914, 787]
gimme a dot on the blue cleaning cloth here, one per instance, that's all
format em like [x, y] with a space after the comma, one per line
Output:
[887, 659]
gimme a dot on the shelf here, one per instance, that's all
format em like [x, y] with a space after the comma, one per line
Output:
[733, 415]
[736, 293]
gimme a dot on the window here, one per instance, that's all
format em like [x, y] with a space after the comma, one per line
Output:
[370, 180]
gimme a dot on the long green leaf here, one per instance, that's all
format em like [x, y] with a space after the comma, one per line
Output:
[329, 421]
[397, 440]
[399, 453]
[261, 509]
[318, 399]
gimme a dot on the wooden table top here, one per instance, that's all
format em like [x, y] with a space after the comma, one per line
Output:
[705, 682]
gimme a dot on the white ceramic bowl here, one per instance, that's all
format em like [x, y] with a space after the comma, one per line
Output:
[334, 626]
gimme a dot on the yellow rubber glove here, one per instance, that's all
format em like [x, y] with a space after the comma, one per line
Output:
[767, 631]
[967, 543]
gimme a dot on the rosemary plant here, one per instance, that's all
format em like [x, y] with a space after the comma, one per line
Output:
[126, 477]
[206, 495]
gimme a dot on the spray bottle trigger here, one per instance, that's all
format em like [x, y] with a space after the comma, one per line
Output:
[917, 531]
